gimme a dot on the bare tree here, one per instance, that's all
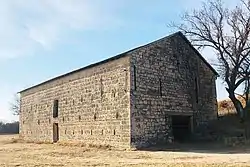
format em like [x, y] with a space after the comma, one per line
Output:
[227, 32]
[15, 105]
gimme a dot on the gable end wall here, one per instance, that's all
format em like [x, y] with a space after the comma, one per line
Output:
[165, 86]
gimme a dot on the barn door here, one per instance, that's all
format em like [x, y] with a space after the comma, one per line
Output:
[55, 132]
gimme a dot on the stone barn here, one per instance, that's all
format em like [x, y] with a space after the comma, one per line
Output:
[154, 94]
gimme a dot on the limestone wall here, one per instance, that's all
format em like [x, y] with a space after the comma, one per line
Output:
[94, 106]
[124, 102]
[163, 83]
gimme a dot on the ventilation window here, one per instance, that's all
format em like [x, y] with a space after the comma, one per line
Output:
[160, 86]
[91, 132]
[81, 131]
[114, 93]
[63, 119]
[94, 116]
[102, 132]
[65, 132]
[177, 62]
[73, 132]
[116, 115]
[134, 77]
[38, 122]
[81, 99]
[55, 109]
[73, 102]
[101, 87]
[114, 132]
[196, 90]
[79, 117]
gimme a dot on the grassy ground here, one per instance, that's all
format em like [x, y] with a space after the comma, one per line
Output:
[44, 155]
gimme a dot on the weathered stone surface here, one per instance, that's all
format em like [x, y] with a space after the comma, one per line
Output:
[167, 72]
[94, 107]
[126, 102]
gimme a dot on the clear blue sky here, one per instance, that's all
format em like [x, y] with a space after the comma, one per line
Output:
[42, 39]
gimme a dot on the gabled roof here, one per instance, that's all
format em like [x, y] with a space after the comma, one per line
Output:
[198, 53]
[123, 55]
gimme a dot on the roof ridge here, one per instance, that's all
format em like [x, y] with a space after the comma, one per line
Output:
[120, 55]
[123, 54]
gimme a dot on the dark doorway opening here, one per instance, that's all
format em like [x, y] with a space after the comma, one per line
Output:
[55, 132]
[181, 127]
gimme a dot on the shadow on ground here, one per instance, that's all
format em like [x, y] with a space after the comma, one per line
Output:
[227, 125]
[203, 147]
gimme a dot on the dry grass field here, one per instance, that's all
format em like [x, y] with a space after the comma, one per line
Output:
[13, 153]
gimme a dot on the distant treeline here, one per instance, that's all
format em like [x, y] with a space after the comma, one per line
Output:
[9, 128]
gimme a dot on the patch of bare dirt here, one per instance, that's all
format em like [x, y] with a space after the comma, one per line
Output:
[15, 153]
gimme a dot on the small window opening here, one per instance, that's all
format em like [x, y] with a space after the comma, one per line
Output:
[102, 132]
[79, 117]
[63, 119]
[65, 132]
[101, 87]
[134, 77]
[55, 109]
[49, 121]
[91, 132]
[73, 132]
[177, 62]
[196, 90]
[94, 116]
[114, 132]
[81, 99]
[116, 115]
[38, 122]
[160, 85]
[81, 131]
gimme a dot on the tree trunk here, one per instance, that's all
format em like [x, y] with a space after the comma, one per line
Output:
[241, 113]
[243, 117]
[237, 104]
